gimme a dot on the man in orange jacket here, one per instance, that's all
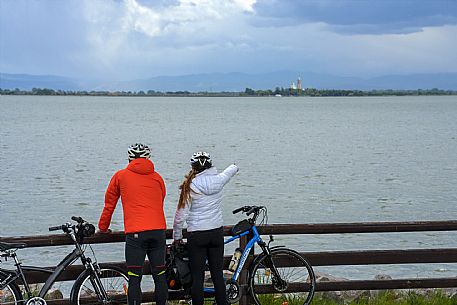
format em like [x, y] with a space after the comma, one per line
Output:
[142, 192]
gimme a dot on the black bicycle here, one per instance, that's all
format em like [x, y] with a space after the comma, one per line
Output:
[95, 285]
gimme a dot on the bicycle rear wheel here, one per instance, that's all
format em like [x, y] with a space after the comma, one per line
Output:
[293, 283]
[114, 281]
[10, 294]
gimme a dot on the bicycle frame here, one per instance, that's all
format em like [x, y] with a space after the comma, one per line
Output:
[53, 273]
[255, 239]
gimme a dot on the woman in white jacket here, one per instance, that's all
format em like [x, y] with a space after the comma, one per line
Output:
[200, 207]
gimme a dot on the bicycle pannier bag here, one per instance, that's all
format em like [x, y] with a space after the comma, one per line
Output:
[178, 267]
[241, 226]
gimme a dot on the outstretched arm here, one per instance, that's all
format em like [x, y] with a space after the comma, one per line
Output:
[215, 184]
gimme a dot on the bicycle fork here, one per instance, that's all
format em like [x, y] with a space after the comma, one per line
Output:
[94, 273]
[278, 283]
[96, 282]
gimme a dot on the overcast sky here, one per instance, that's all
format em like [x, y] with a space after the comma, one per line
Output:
[133, 39]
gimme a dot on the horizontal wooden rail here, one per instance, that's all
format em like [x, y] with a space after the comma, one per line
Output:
[359, 227]
[331, 258]
[280, 229]
[375, 257]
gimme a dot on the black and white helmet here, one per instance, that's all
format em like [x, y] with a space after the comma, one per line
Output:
[201, 160]
[138, 150]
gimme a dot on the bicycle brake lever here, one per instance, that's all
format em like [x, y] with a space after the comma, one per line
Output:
[271, 240]
[250, 211]
[237, 210]
[77, 219]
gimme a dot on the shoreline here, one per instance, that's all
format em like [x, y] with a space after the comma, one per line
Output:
[228, 95]
[278, 93]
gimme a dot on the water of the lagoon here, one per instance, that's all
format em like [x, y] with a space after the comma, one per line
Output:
[309, 160]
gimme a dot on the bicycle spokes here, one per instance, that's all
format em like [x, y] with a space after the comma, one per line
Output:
[7, 297]
[113, 283]
[282, 278]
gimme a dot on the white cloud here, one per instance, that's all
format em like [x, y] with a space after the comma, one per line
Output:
[146, 34]
[187, 14]
[142, 19]
[247, 5]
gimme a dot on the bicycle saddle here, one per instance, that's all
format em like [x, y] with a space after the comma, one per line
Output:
[6, 246]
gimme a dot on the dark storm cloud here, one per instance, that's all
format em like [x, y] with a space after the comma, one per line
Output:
[359, 17]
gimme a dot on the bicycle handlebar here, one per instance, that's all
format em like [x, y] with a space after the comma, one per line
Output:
[251, 210]
[77, 219]
[56, 228]
[248, 209]
[237, 210]
[66, 226]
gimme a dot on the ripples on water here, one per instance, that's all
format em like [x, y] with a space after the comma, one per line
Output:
[308, 159]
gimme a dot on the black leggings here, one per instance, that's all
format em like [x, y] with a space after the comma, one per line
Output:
[137, 246]
[209, 245]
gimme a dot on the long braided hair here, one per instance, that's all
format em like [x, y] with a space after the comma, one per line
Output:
[184, 197]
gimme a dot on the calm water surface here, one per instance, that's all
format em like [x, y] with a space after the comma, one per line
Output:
[309, 160]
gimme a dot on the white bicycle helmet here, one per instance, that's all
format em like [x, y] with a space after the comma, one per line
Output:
[138, 150]
[201, 160]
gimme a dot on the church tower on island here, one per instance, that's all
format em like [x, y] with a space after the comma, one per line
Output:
[299, 85]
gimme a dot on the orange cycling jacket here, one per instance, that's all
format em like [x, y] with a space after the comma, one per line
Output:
[142, 192]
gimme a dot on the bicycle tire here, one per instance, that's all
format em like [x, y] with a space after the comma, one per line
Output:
[297, 283]
[10, 294]
[114, 280]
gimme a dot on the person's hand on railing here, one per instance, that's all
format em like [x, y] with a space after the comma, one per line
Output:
[105, 232]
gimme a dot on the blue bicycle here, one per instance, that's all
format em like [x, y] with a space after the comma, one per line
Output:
[278, 275]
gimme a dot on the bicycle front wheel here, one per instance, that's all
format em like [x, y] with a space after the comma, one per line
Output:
[282, 278]
[9, 294]
[114, 282]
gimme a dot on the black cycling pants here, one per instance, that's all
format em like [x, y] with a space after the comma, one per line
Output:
[137, 246]
[209, 245]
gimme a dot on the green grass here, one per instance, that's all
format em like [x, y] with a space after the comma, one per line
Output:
[388, 297]
[391, 298]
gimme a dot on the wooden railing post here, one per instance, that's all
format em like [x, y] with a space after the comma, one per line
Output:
[242, 280]
[246, 298]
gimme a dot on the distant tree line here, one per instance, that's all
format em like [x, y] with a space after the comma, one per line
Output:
[340, 92]
[46, 91]
[247, 92]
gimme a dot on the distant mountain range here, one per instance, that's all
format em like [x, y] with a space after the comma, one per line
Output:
[216, 82]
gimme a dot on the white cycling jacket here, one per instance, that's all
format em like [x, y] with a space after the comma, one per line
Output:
[204, 212]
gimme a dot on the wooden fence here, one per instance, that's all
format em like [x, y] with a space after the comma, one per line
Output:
[328, 258]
